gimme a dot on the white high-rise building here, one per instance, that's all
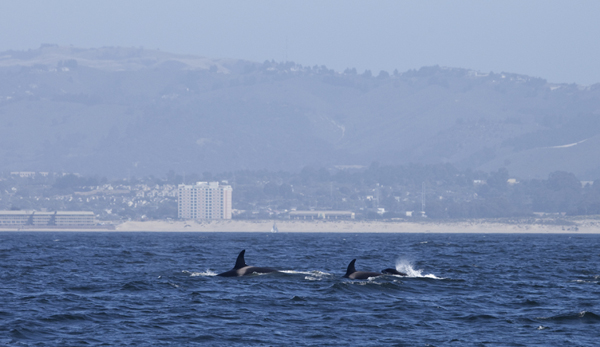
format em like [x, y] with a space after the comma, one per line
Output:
[204, 200]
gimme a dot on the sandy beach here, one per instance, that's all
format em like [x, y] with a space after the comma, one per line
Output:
[483, 226]
[585, 226]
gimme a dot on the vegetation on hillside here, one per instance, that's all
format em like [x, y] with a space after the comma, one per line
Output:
[129, 111]
[373, 192]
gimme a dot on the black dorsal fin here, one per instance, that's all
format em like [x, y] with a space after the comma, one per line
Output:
[240, 262]
[351, 268]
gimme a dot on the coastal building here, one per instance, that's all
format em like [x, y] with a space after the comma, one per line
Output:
[56, 218]
[23, 174]
[204, 200]
[29, 174]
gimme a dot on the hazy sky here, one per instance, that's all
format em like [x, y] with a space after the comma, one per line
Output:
[556, 40]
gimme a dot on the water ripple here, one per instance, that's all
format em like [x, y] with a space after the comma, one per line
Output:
[130, 289]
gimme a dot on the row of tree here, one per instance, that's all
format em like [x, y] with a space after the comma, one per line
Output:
[373, 192]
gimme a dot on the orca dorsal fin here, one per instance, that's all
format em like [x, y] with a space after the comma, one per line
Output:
[240, 262]
[351, 268]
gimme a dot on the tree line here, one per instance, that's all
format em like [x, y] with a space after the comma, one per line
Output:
[440, 191]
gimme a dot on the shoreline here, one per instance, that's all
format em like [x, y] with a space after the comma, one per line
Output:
[316, 226]
[484, 226]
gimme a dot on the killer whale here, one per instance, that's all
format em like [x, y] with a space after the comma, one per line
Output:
[351, 272]
[241, 269]
[359, 275]
[390, 271]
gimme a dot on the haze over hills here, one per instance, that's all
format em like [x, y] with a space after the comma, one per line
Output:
[131, 111]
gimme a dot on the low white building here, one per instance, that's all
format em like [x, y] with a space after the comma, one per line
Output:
[57, 218]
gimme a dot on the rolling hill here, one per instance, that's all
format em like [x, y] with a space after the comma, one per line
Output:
[129, 111]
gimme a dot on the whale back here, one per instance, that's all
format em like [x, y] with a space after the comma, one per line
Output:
[390, 271]
[359, 275]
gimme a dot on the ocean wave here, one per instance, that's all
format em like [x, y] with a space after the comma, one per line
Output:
[530, 302]
[585, 281]
[298, 298]
[374, 282]
[174, 285]
[582, 316]
[66, 318]
[136, 286]
[479, 317]
[85, 288]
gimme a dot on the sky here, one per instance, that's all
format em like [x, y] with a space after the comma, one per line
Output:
[555, 40]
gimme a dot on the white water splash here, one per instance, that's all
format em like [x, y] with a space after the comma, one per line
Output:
[584, 281]
[310, 275]
[371, 281]
[404, 265]
[314, 272]
[196, 274]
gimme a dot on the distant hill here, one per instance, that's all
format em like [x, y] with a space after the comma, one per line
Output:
[129, 111]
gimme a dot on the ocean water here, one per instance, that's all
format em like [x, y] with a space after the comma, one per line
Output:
[160, 289]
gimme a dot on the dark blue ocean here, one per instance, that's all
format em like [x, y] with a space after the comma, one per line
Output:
[137, 289]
